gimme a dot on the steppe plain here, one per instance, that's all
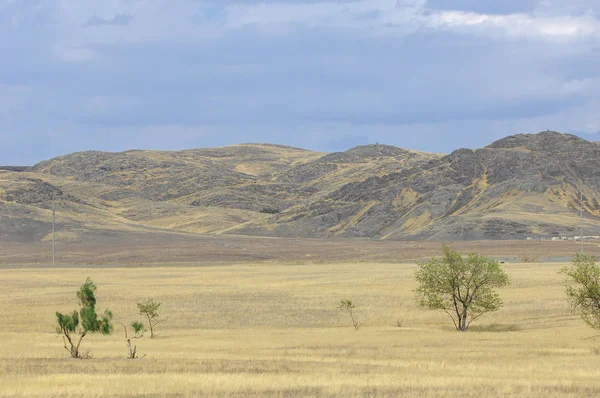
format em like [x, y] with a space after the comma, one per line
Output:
[248, 316]
[251, 247]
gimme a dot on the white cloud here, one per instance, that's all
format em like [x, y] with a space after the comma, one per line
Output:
[519, 25]
[403, 17]
[185, 21]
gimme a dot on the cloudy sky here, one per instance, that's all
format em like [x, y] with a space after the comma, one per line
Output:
[432, 75]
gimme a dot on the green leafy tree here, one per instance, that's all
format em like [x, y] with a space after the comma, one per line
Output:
[149, 308]
[463, 287]
[74, 327]
[582, 285]
[349, 307]
[138, 333]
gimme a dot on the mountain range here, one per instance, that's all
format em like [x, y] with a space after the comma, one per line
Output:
[521, 186]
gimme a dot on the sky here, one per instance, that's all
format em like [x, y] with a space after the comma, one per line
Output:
[432, 75]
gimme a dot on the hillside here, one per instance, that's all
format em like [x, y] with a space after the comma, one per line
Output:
[519, 186]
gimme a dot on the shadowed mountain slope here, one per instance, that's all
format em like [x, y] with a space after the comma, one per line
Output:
[519, 186]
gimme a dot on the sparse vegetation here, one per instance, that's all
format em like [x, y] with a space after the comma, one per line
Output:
[268, 330]
[461, 287]
[239, 181]
[349, 307]
[149, 308]
[582, 285]
[74, 327]
[138, 333]
[529, 259]
[268, 210]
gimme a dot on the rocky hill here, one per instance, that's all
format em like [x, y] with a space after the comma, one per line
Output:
[519, 186]
[14, 168]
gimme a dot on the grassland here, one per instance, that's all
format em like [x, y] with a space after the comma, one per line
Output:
[258, 329]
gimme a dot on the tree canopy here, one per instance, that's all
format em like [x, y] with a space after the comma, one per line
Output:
[463, 287]
[149, 308]
[83, 322]
[582, 286]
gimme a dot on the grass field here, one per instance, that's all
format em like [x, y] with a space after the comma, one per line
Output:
[274, 330]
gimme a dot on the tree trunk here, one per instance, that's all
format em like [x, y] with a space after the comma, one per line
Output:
[356, 326]
[73, 350]
[462, 322]
[76, 349]
[150, 325]
[131, 350]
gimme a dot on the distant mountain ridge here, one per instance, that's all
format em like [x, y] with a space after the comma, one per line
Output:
[519, 186]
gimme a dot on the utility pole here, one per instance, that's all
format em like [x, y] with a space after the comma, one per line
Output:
[53, 230]
[581, 218]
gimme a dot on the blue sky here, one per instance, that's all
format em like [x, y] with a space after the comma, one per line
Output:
[432, 75]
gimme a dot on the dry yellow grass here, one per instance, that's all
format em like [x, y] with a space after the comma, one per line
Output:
[274, 330]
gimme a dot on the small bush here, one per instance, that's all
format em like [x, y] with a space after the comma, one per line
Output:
[270, 211]
[138, 333]
[529, 259]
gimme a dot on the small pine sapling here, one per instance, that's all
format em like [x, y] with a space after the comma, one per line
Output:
[349, 307]
[75, 326]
